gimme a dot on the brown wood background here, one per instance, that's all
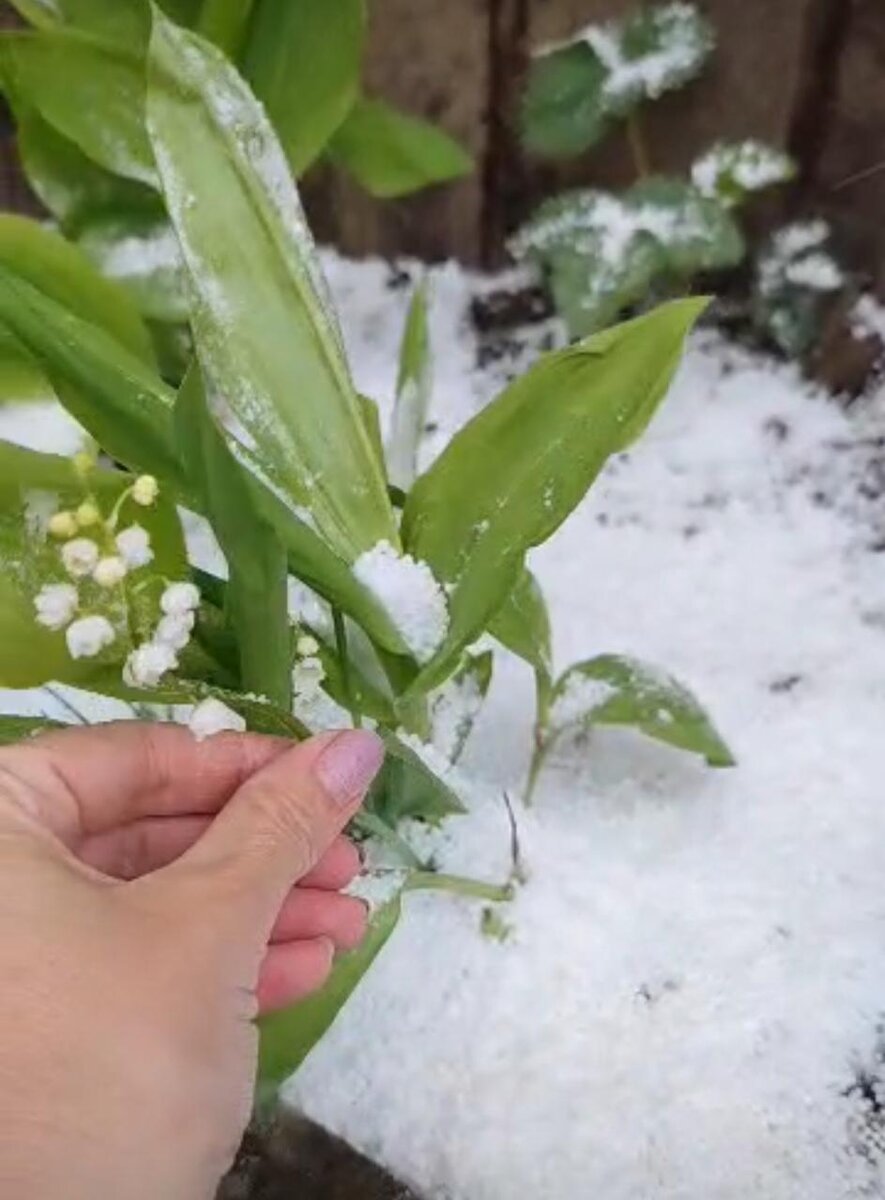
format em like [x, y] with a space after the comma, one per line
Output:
[806, 75]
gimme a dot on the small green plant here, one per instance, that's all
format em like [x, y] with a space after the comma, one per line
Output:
[267, 440]
[796, 277]
[75, 82]
[606, 253]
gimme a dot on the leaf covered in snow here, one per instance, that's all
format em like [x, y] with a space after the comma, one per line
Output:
[265, 333]
[795, 277]
[578, 87]
[604, 252]
[613, 690]
[456, 705]
[511, 476]
[730, 171]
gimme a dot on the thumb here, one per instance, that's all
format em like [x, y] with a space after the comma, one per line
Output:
[279, 824]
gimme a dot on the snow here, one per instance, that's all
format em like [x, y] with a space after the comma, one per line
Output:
[410, 595]
[211, 716]
[697, 963]
[694, 980]
[751, 165]
[868, 318]
[579, 700]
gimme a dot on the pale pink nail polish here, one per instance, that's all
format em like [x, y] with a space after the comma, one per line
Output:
[349, 764]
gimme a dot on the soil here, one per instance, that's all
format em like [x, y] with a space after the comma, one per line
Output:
[291, 1156]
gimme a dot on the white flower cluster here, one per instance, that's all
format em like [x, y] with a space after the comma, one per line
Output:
[106, 559]
[308, 672]
[94, 552]
[149, 662]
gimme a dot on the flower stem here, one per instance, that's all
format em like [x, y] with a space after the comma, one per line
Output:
[638, 146]
[474, 889]
[542, 745]
[341, 646]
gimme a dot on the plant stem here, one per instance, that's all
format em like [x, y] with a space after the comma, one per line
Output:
[341, 646]
[372, 824]
[474, 889]
[540, 751]
[638, 145]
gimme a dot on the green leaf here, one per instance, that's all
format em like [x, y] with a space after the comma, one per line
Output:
[21, 379]
[407, 789]
[264, 331]
[303, 62]
[563, 113]
[413, 388]
[730, 171]
[513, 474]
[63, 273]
[612, 690]
[32, 485]
[90, 91]
[391, 154]
[122, 21]
[694, 232]
[351, 685]
[225, 22]
[123, 404]
[19, 729]
[522, 624]
[68, 183]
[256, 594]
[456, 705]
[43, 14]
[372, 425]
[289, 1036]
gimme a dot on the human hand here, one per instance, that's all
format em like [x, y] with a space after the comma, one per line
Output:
[148, 911]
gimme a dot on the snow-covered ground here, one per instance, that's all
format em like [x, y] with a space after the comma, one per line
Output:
[688, 1005]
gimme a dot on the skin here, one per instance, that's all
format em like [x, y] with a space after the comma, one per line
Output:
[156, 894]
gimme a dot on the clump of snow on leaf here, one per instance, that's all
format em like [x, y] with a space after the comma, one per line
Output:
[728, 170]
[212, 716]
[581, 697]
[410, 595]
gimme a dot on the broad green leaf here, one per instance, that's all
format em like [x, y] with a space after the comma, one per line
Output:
[613, 690]
[224, 22]
[125, 22]
[456, 705]
[140, 253]
[21, 379]
[522, 624]
[303, 62]
[20, 729]
[256, 594]
[64, 273]
[413, 388]
[513, 474]
[289, 1036]
[407, 789]
[90, 91]
[69, 183]
[265, 334]
[563, 112]
[115, 395]
[730, 171]
[391, 154]
[32, 486]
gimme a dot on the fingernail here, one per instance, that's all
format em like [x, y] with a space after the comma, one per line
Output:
[349, 764]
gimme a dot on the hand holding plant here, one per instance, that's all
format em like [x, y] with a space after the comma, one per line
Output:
[158, 893]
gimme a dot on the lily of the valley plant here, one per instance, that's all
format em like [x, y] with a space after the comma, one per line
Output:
[268, 440]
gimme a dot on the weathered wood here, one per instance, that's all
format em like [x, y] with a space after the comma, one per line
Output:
[848, 183]
[431, 60]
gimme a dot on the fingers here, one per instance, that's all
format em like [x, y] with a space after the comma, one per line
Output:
[292, 971]
[310, 914]
[84, 782]
[278, 826]
[338, 867]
